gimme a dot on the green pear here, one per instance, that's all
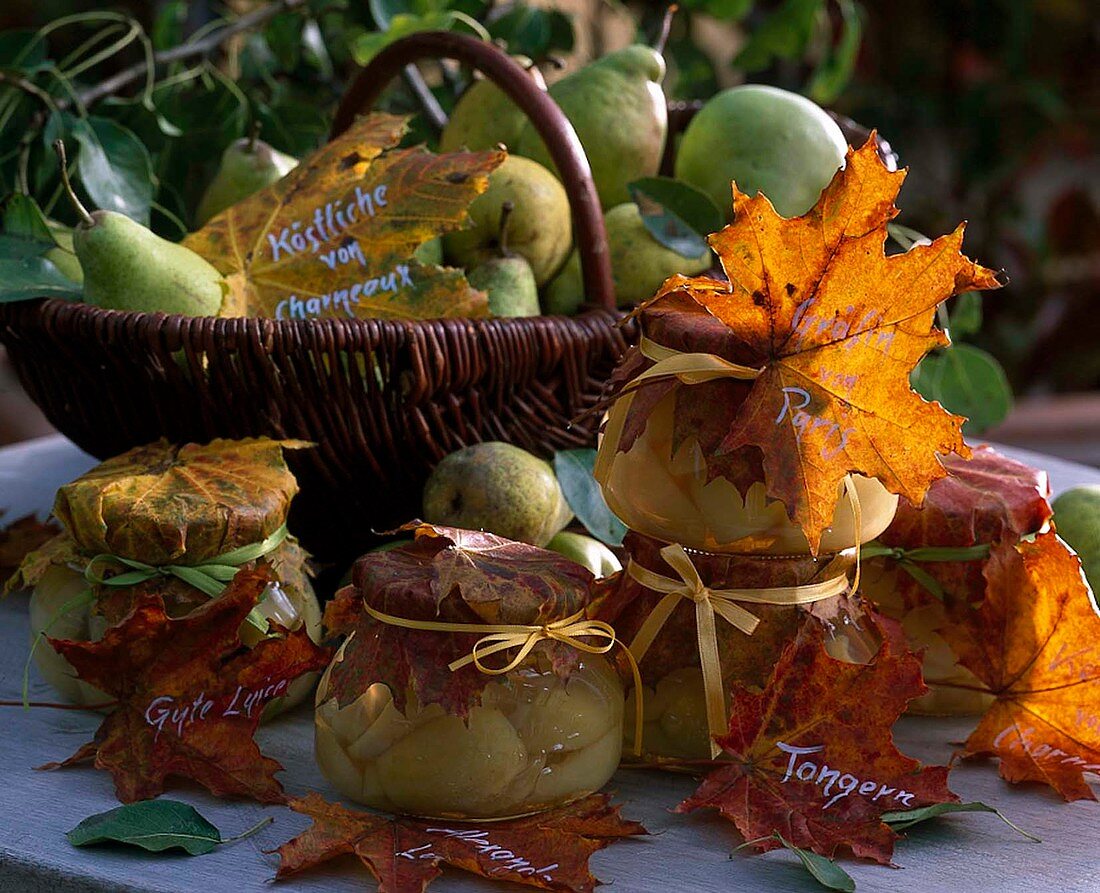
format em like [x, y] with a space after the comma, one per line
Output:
[500, 488]
[618, 109]
[540, 228]
[430, 253]
[586, 551]
[128, 267]
[1077, 517]
[247, 166]
[639, 263]
[767, 140]
[484, 117]
[508, 279]
[63, 254]
[564, 294]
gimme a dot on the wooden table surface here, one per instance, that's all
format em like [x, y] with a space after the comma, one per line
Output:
[967, 853]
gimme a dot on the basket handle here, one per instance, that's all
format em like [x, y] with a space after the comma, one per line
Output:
[557, 133]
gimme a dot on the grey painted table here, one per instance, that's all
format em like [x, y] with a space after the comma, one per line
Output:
[968, 854]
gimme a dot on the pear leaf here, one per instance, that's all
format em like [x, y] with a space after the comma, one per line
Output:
[907, 818]
[677, 215]
[835, 70]
[784, 34]
[967, 381]
[574, 471]
[114, 166]
[153, 825]
[23, 219]
[29, 276]
[825, 871]
[966, 314]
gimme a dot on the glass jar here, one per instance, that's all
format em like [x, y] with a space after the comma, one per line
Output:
[983, 499]
[406, 723]
[163, 505]
[533, 743]
[674, 706]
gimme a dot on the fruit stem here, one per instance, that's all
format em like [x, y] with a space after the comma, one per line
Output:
[85, 217]
[666, 27]
[506, 210]
[253, 135]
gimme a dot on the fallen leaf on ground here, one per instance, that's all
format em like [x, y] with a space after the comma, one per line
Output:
[1035, 644]
[836, 327]
[813, 754]
[189, 694]
[549, 850]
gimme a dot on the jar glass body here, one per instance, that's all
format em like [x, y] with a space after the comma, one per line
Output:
[673, 694]
[291, 604]
[952, 689]
[535, 742]
[665, 493]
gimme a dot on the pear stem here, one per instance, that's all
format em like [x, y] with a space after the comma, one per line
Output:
[86, 218]
[506, 210]
[666, 27]
[253, 135]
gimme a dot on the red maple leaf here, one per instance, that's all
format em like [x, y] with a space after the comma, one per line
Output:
[189, 694]
[549, 850]
[813, 754]
[1035, 643]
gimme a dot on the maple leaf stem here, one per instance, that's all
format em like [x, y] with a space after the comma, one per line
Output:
[263, 823]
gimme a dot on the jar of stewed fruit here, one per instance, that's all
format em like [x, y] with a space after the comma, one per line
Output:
[471, 685]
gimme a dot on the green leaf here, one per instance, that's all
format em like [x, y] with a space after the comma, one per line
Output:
[582, 492]
[677, 215]
[284, 36]
[834, 71]
[167, 30]
[153, 825]
[369, 44]
[114, 167]
[825, 871]
[21, 49]
[966, 314]
[784, 34]
[901, 820]
[967, 381]
[23, 278]
[23, 219]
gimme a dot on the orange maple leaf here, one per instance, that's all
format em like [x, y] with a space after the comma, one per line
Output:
[836, 327]
[813, 755]
[335, 237]
[1035, 643]
[189, 694]
[549, 850]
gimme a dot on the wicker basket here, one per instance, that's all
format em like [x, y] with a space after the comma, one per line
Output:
[111, 380]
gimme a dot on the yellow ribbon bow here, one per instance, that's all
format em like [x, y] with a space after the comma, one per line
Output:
[497, 637]
[708, 603]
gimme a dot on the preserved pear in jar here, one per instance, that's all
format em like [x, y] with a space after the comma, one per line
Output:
[929, 562]
[160, 507]
[664, 472]
[400, 727]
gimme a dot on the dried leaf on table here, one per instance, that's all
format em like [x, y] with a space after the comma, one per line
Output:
[813, 755]
[549, 850]
[336, 236]
[1035, 643]
[454, 576]
[19, 539]
[836, 327]
[189, 694]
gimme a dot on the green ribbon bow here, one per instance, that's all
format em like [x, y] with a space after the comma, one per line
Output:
[211, 577]
[909, 560]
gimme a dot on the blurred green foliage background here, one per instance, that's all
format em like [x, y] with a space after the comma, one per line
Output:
[994, 105]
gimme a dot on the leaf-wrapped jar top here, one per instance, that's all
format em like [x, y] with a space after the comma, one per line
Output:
[164, 503]
[449, 576]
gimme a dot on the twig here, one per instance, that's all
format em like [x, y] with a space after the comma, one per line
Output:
[201, 47]
[414, 80]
